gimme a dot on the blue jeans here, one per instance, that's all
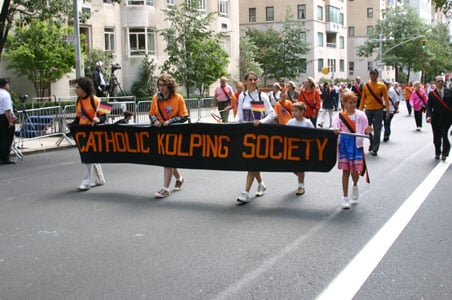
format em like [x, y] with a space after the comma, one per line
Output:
[375, 119]
[387, 125]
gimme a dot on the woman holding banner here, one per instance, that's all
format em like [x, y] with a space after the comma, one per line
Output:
[253, 106]
[87, 113]
[168, 107]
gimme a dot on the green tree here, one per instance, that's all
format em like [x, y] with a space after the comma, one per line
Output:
[282, 52]
[247, 60]
[93, 56]
[145, 86]
[444, 5]
[38, 52]
[22, 12]
[190, 42]
[401, 32]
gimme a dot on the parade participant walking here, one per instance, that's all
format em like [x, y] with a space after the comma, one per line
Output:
[274, 95]
[357, 88]
[327, 97]
[407, 91]
[418, 101]
[350, 148]
[235, 97]
[168, 107]
[299, 120]
[310, 96]
[374, 99]
[7, 121]
[394, 106]
[252, 105]
[283, 109]
[439, 115]
[223, 96]
[99, 80]
[87, 113]
[292, 93]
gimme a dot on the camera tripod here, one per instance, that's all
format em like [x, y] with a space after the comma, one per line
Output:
[113, 84]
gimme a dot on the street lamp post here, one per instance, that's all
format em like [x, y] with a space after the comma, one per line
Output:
[78, 53]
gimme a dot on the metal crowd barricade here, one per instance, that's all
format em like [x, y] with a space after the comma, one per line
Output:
[142, 112]
[206, 108]
[193, 109]
[38, 122]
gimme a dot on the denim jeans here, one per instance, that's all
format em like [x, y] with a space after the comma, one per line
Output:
[375, 119]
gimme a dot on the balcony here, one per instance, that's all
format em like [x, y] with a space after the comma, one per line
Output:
[332, 27]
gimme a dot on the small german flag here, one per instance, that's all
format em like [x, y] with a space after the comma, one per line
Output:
[104, 108]
[258, 107]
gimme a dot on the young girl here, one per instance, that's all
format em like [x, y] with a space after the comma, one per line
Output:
[298, 110]
[283, 109]
[252, 105]
[350, 148]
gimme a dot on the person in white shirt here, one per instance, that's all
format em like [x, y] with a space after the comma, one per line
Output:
[393, 109]
[255, 107]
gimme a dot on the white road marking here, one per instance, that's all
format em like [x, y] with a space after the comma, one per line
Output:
[355, 274]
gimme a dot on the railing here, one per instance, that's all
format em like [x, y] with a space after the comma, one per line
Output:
[53, 121]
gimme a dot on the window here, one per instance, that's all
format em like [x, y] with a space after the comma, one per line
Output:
[320, 64]
[223, 8]
[351, 67]
[301, 12]
[269, 14]
[320, 13]
[341, 65]
[201, 4]
[370, 65]
[370, 12]
[320, 39]
[332, 65]
[109, 35]
[140, 2]
[252, 14]
[351, 31]
[341, 42]
[141, 41]
[370, 29]
[333, 14]
[169, 2]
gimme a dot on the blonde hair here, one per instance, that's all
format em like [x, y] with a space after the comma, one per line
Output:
[312, 81]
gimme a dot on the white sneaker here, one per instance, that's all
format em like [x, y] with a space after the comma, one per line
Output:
[345, 203]
[261, 188]
[244, 197]
[355, 194]
[83, 187]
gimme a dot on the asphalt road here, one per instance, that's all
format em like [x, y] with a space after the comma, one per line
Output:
[118, 242]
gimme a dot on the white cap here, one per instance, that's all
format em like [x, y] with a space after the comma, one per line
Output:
[99, 64]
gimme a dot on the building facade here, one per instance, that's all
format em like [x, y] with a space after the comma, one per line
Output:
[326, 30]
[130, 30]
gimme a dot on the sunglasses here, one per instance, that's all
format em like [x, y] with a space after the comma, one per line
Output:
[440, 81]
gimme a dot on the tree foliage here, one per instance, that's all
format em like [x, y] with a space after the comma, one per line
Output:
[444, 5]
[401, 33]
[22, 12]
[195, 54]
[145, 86]
[247, 59]
[282, 52]
[38, 52]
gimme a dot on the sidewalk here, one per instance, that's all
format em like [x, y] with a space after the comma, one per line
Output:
[28, 146]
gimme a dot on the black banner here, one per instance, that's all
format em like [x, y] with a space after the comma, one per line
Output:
[241, 147]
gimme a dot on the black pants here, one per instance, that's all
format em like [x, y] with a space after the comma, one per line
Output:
[6, 138]
[440, 138]
[418, 118]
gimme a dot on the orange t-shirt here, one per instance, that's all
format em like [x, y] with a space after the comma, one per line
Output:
[283, 111]
[174, 106]
[312, 101]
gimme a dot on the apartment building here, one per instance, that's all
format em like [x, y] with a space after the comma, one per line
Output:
[362, 18]
[130, 30]
[325, 21]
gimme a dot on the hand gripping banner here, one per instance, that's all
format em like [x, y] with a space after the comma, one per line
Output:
[239, 147]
